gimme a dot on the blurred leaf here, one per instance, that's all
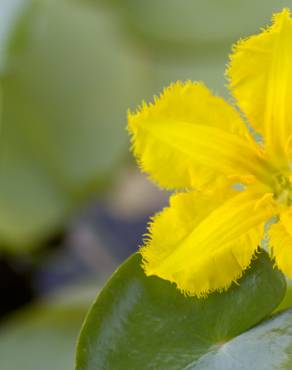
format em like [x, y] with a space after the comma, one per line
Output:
[43, 336]
[194, 24]
[140, 322]
[68, 82]
[9, 14]
[42, 339]
[208, 69]
[191, 39]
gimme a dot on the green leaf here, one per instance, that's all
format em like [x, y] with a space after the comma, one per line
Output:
[210, 70]
[140, 322]
[267, 346]
[68, 81]
[193, 26]
[43, 336]
[287, 301]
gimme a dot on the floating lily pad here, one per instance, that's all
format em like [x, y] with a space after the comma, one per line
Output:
[140, 322]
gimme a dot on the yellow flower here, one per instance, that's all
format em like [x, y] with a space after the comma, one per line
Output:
[231, 185]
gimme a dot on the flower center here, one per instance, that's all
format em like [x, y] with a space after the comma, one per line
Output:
[283, 190]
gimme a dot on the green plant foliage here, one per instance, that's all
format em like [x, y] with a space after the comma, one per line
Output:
[190, 40]
[43, 336]
[140, 322]
[41, 339]
[194, 25]
[287, 301]
[67, 82]
[207, 68]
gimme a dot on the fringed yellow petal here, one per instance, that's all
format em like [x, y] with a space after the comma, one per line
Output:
[281, 243]
[260, 74]
[203, 242]
[189, 138]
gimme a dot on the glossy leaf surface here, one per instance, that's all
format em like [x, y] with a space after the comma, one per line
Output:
[146, 323]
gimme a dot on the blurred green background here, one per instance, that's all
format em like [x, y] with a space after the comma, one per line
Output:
[73, 205]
